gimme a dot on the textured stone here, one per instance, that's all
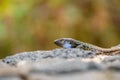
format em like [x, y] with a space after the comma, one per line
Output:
[60, 64]
[57, 53]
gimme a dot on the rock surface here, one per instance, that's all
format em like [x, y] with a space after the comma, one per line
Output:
[60, 64]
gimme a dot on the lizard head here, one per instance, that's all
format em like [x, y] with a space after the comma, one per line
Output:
[66, 42]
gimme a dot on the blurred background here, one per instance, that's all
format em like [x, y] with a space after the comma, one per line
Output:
[29, 25]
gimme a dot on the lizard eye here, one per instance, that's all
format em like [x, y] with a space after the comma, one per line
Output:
[73, 44]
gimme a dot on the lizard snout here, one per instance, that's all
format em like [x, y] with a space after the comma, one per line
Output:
[57, 43]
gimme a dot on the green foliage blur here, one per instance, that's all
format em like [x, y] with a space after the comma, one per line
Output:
[29, 25]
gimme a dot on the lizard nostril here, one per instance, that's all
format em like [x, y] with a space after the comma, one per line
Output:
[55, 42]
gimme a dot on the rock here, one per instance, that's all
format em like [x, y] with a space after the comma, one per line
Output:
[57, 53]
[60, 64]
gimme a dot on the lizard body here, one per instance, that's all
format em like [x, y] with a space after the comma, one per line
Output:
[72, 43]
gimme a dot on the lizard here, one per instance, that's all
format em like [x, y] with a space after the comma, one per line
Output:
[72, 43]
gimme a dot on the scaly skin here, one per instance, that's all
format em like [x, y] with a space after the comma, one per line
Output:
[72, 43]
